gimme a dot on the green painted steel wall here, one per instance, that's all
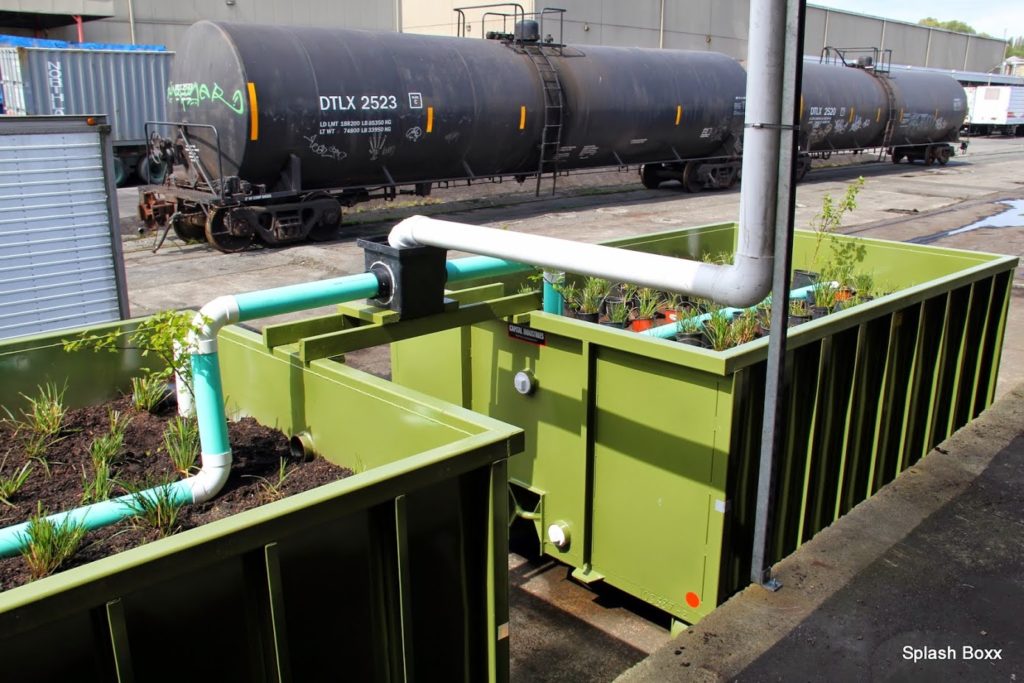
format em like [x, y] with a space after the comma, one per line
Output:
[29, 362]
[396, 573]
[648, 449]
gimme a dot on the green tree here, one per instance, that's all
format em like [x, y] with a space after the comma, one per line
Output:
[951, 25]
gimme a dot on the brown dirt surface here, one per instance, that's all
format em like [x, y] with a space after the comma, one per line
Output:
[256, 455]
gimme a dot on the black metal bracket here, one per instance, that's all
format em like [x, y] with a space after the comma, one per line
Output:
[772, 126]
[411, 279]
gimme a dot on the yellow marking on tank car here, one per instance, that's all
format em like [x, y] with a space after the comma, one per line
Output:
[878, 115]
[801, 106]
[522, 117]
[679, 113]
[852, 111]
[430, 119]
[254, 113]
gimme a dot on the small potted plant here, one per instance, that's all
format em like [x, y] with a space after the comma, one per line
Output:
[743, 328]
[690, 331]
[798, 312]
[617, 313]
[570, 298]
[763, 315]
[671, 308]
[647, 301]
[591, 295]
[718, 329]
[824, 294]
[864, 286]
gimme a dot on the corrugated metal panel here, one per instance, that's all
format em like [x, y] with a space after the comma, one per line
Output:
[57, 263]
[128, 87]
[13, 84]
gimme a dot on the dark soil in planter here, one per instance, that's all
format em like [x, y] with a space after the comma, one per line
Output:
[256, 453]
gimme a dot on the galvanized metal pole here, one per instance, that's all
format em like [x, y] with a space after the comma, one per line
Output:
[774, 399]
[131, 19]
[661, 26]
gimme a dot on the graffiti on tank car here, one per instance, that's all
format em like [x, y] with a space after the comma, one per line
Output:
[194, 94]
[326, 151]
[377, 141]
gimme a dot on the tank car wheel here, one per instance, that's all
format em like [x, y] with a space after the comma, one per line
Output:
[897, 157]
[225, 234]
[691, 181]
[120, 172]
[649, 177]
[188, 230]
[151, 172]
[943, 156]
[329, 226]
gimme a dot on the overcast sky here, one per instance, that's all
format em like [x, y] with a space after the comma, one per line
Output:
[985, 16]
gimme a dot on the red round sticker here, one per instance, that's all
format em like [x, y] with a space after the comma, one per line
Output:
[693, 600]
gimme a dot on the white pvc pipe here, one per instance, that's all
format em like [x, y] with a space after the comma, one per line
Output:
[744, 282]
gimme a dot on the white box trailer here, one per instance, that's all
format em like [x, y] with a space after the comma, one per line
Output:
[995, 109]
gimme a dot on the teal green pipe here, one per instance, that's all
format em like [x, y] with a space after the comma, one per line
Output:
[553, 300]
[95, 516]
[481, 266]
[209, 404]
[669, 331]
[291, 298]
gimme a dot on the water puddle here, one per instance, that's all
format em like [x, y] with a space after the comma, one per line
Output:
[1013, 217]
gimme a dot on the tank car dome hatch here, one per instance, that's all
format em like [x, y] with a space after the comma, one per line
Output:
[527, 31]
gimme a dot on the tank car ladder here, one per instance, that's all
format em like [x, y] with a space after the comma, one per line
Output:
[551, 137]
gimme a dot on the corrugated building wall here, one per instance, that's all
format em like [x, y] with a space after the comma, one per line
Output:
[721, 26]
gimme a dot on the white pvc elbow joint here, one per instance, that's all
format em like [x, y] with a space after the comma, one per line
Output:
[211, 478]
[210, 318]
[746, 282]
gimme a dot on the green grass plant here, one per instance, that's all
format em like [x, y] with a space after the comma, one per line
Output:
[49, 545]
[181, 439]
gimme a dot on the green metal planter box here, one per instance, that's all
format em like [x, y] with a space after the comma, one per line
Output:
[645, 452]
[395, 573]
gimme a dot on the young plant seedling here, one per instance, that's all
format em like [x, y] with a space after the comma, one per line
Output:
[743, 328]
[106, 447]
[41, 423]
[99, 486]
[271, 489]
[181, 438]
[48, 545]
[647, 302]
[827, 221]
[154, 506]
[717, 329]
[12, 484]
[592, 294]
[148, 392]
[618, 312]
